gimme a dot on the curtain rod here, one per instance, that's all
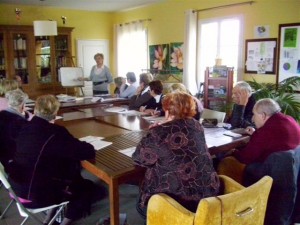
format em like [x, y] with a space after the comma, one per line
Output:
[135, 21]
[224, 6]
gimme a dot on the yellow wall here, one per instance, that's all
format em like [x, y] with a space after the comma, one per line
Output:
[88, 25]
[167, 23]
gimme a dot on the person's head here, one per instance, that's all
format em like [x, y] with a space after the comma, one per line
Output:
[179, 105]
[99, 57]
[8, 85]
[263, 110]
[145, 79]
[118, 81]
[46, 107]
[238, 87]
[16, 99]
[131, 77]
[156, 87]
[179, 87]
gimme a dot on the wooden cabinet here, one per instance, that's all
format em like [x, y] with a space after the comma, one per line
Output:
[218, 88]
[36, 60]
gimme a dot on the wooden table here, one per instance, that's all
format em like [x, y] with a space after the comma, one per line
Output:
[115, 168]
[87, 103]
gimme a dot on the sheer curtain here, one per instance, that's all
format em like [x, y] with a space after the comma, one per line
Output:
[131, 48]
[190, 52]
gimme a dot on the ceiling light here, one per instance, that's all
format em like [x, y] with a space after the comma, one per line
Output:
[45, 28]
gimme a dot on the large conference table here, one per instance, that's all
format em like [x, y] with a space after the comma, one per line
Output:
[125, 131]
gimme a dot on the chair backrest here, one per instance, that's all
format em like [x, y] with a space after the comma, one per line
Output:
[3, 177]
[246, 206]
[283, 167]
[212, 114]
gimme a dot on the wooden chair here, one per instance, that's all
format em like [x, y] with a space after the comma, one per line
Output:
[237, 205]
[25, 212]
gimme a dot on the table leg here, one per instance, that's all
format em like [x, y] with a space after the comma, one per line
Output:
[114, 202]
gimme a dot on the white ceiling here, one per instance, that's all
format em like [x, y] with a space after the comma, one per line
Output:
[91, 5]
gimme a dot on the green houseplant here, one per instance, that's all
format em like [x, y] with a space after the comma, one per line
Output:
[283, 93]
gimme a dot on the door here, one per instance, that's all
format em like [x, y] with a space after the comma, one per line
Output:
[86, 49]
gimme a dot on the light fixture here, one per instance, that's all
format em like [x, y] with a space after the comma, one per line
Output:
[45, 28]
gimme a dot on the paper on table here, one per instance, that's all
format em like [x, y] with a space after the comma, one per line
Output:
[128, 151]
[115, 109]
[154, 118]
[132, 113]
[96, 142]
[90, 138]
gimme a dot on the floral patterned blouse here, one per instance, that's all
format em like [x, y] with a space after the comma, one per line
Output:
[178, 163]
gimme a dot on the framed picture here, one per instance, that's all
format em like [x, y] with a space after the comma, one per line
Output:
[289, 51]
[260, 56]
[159, 57]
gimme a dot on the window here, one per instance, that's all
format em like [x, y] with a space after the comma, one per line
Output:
[131, 50]
[220, 38]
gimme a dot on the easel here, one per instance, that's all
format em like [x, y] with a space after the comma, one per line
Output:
[70, 57]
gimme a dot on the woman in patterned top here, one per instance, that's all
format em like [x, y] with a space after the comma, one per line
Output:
[176, 157]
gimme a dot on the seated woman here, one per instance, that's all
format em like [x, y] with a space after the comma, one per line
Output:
[199, 107]
[154, 104]
[5, 86]
[128, 91]
[176, 157]
[46, 166]
[11, 121]
[118, 82]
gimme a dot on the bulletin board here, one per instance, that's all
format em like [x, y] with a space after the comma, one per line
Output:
[260, 56]
[289, 51]
[68, 76]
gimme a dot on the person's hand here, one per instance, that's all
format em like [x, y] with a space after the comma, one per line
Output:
[142, 108]
[243, 96]
[155, 112]
[155, 124]
[139, 90]
[249, 130]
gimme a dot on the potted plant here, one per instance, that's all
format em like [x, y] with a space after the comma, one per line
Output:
[283, 93]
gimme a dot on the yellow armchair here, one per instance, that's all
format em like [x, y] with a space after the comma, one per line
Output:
[237, 205]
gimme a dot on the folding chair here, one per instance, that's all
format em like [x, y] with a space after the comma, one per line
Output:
[25, 212]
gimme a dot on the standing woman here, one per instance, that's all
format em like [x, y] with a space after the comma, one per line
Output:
[100, 75]
[176, 157]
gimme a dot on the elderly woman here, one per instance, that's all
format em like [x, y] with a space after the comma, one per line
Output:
[5, 86]
[11, 120]
[46, 166]
[129, 91]
[176, 157]
[180, 87]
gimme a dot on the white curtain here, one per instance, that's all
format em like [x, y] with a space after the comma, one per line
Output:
[131, 48]
[190, 52]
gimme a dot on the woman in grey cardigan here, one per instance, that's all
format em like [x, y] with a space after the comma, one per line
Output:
[100, 75]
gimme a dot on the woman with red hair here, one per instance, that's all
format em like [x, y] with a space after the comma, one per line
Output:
[176, 157]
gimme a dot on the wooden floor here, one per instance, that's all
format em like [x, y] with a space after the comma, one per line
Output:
[100, 208]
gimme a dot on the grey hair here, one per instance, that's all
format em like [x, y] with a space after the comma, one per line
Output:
[267, 106]
[16, 98]
[131, 76]
[146, 78]
[244, 86]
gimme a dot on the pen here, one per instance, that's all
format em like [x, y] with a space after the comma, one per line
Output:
[155, 110]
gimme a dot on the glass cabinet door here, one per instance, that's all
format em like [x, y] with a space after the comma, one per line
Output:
[20, 54]
[43, 59]
[61, 51]
[3, 73]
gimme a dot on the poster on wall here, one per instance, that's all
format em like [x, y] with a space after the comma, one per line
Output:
[261, 56]
[176, 57]
[159, 57]
[289, 51]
